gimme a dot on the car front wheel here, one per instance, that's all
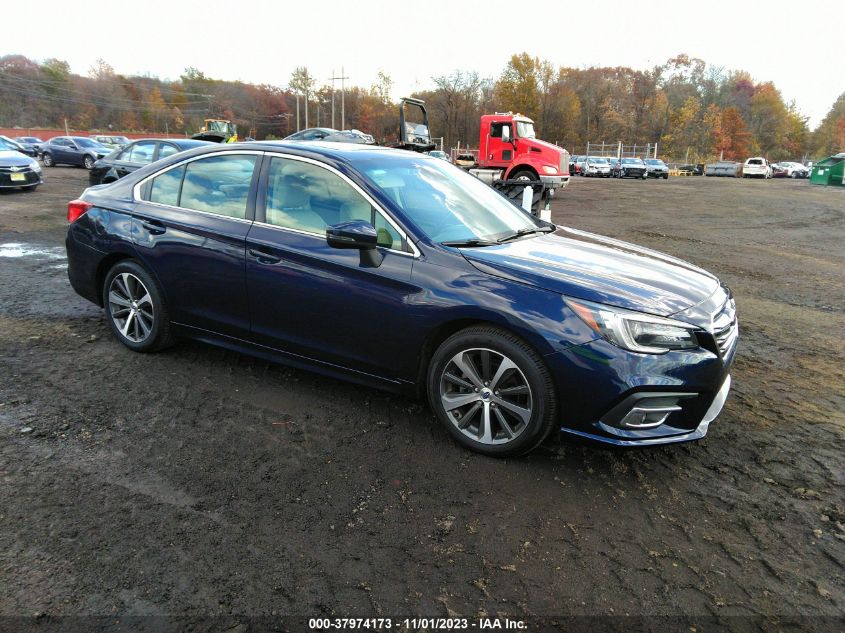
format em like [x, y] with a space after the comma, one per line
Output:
[47, 159]
[88, 162]
[135, 308]
[492, 391]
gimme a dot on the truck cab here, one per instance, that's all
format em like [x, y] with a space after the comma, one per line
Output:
[508, 143]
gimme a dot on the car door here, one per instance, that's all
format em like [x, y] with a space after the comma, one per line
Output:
[60, 148]
[190, 228]
[313, 300]
[75, 155]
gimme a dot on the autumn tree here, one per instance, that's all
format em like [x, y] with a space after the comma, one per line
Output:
[733, 140]
[518, 87]
[829, 137]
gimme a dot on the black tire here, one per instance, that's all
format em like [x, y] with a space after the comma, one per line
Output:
[88, 163]
[524, 174]
[541, 397]
[47, 159]
[160, 333]
[665, 176]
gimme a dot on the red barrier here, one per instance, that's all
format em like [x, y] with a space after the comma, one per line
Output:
[47, 133]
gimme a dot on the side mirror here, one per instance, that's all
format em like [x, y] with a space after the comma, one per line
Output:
[353, 234]
[506, 134]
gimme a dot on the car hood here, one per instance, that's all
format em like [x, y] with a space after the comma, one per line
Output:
[596, 268]
[13, 158]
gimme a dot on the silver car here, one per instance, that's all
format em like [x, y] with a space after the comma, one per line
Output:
[656, 168]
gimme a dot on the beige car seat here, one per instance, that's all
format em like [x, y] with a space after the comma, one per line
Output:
[289, 205]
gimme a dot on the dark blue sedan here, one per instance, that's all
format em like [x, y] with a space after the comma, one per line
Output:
[400, 271]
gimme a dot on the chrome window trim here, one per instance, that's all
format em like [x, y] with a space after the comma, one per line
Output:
[136, 190]
[364, 194]
[136, 195]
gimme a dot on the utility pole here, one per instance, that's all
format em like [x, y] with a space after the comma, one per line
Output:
[306, 98]
[297, 111]
[343, 79]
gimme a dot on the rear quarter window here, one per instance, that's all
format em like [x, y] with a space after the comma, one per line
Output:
[164, 189]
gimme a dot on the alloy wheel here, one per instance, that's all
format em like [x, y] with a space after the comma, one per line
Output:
[486, 396]
[131, 307]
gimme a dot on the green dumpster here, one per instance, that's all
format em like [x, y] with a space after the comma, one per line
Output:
[830, 171]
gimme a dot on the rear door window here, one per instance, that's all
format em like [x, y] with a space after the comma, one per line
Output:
[141, 153]
[218, 184]
[167, 150]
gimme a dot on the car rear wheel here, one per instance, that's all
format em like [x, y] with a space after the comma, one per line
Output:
[135, 308]
[88, 162]
[492, 392]
[47, 159]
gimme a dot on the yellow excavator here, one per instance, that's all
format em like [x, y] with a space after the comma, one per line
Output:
[218, 131]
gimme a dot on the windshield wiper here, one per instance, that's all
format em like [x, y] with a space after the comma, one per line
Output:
[469, 243]
[527, 231]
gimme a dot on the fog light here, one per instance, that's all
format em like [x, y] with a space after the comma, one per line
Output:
[647, 417]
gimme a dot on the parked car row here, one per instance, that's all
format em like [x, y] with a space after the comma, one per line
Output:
[604, 167]
[757, 167]
[20, 169]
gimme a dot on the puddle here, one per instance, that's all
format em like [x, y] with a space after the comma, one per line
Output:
[18, 249]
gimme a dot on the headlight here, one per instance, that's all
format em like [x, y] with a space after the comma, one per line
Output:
[549, 170]
[635, 331]
[36, 167]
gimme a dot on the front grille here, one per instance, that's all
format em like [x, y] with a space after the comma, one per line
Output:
[726, 327]
[6, 177]
[564, 162]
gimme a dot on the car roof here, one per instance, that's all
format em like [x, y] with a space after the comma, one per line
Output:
[324, 148]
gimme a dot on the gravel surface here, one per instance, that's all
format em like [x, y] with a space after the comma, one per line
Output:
[200, 482]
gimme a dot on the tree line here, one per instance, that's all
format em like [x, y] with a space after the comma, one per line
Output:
[692, 110]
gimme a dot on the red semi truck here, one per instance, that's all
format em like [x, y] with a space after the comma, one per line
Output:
[508, 149]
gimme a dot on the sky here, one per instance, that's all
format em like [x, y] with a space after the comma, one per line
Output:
[263, 41]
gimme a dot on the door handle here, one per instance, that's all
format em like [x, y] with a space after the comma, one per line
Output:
[264, 258]
[155, 228]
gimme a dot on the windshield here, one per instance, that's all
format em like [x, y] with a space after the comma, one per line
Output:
[87, 142]
[4, 144]
[444, 201]
[525, 129]
[598, 161]
[654, 161]
[219, 126]
[632, 161]
[416, 130]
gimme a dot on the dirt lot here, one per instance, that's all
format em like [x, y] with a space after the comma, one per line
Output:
[204, 483]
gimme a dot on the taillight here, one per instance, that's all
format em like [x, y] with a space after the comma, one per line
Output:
[76, 209]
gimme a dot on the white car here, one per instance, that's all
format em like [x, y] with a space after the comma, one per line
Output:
[757, 166]
[594, 166]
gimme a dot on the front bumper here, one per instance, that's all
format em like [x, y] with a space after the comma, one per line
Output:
[30, 179]
[628, 399]
[667, 434]
[555, 182]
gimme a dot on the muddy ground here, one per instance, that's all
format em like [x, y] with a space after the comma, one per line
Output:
[201, 482]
